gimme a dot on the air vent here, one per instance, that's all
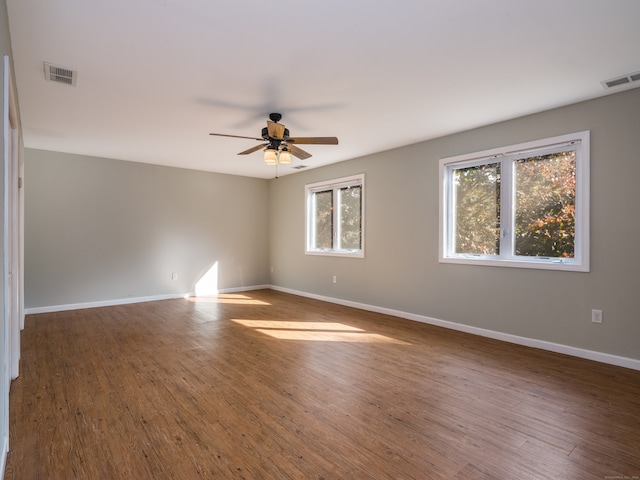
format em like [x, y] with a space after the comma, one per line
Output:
[299, 167]
[58, 74]
[622, 80]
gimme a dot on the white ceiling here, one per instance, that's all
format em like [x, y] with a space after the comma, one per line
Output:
[156, 76]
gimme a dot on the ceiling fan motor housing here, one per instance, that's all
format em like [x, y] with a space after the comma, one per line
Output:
[265, 134]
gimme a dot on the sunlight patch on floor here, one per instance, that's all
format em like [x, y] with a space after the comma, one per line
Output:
[228, 298]
[286, 324]
[330, 336]
[315, 331]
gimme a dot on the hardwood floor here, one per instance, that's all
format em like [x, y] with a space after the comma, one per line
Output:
[266, 385]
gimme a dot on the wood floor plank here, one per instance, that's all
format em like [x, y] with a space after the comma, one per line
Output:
[268, 385]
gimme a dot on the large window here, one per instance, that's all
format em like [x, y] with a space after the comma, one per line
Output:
[520, 206]
[335, 217]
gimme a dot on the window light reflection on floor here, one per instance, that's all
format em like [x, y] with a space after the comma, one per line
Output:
[293, 325]
[228, 298]
[315, 331]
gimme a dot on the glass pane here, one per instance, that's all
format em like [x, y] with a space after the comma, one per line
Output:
[351, 217]
[477, 209]
[323, 202]
[545, 205]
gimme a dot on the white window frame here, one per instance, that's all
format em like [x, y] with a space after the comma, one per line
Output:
[506, 156]
[335, 185]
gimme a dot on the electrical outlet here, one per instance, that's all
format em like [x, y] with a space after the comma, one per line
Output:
[335, 279]
[174, 276]
[596, 316]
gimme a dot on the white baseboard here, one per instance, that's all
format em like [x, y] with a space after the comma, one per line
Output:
[126, 301]
[244, 289]
[506, 337]
[102, 303]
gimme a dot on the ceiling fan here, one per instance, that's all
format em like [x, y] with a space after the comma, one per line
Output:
[280, 146]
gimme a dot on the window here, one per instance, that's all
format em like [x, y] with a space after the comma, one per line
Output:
[525, 205]
[335, 217]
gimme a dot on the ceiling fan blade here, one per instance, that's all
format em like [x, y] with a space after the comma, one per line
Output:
[313, 140]
[298, 152]
[275, 130]
[253, 149]
[236, 136]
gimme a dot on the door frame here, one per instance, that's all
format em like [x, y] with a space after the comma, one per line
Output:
[12, 315]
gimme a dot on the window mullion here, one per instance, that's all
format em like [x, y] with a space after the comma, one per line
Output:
[312, 225]
[337, 244]
[507, 208]
[450, 213]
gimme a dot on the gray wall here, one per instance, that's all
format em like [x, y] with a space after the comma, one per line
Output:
[401, 269]
[100, 230]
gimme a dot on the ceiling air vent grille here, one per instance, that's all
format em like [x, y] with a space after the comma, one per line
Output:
[627, 79]
[299, 167]
[58, 74]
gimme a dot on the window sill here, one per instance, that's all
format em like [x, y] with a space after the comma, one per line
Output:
[336, 253]
[538, 264]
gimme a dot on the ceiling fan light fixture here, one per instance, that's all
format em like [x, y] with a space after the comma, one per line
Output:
[285, 156]
[280, 146]
[270, 156]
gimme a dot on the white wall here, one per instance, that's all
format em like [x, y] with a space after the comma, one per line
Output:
[99, 230]
[401, 271]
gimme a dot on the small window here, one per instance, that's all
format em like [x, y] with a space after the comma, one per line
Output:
[520, 206]
[335, 217]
